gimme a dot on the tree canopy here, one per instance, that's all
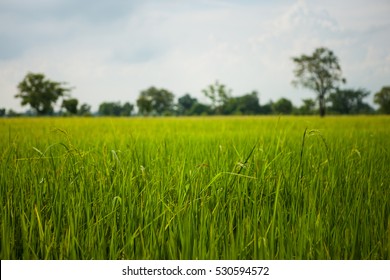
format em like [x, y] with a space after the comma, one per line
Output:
[308, 107]
[84, 110]
[115, 109]
[282, 106]
[155, 101]
[247, 104]
[382, 98]
[219, 96]
[40, 93]
[70, 105]
[349, 101]
[319, 72]
[185, 103]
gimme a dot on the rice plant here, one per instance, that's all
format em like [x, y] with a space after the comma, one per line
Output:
[195, 188]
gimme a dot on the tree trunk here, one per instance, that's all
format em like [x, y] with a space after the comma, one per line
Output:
[322, 105]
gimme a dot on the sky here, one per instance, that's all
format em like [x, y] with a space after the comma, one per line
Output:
[109, 51]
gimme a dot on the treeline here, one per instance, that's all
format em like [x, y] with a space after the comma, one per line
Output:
[319, 72]
[161, 102]
[342, 101]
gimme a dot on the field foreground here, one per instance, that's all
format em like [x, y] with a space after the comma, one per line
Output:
[195, 188]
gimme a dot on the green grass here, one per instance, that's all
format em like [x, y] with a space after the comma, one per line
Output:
[195, 188]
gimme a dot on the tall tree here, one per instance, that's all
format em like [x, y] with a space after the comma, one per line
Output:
[320, 72]
[154, 100]
[40, 93]
[382, 98]
[219, 96]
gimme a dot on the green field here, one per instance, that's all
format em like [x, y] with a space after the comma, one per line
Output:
[195, 188]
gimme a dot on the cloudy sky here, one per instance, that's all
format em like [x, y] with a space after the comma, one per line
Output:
[111, 50]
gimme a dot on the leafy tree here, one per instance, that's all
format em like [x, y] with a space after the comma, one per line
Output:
[247, 104]
[382, 98]
[308, 107]
[349, 101]
[250, 103]
[185, 103]
[218, 95]
[266, 109]
[40, 93]
[200, 109]
[144, 104]
[115, 109]
[153, 100]
[70, 105]
[127, 109]
[2, 112]
[85, 110]
[110, 109]
[320, 72]
[282, 106]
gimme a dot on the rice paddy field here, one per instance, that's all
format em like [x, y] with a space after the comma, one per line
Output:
[195, 188]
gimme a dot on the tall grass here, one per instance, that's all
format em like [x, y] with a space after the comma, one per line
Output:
[195, 188]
